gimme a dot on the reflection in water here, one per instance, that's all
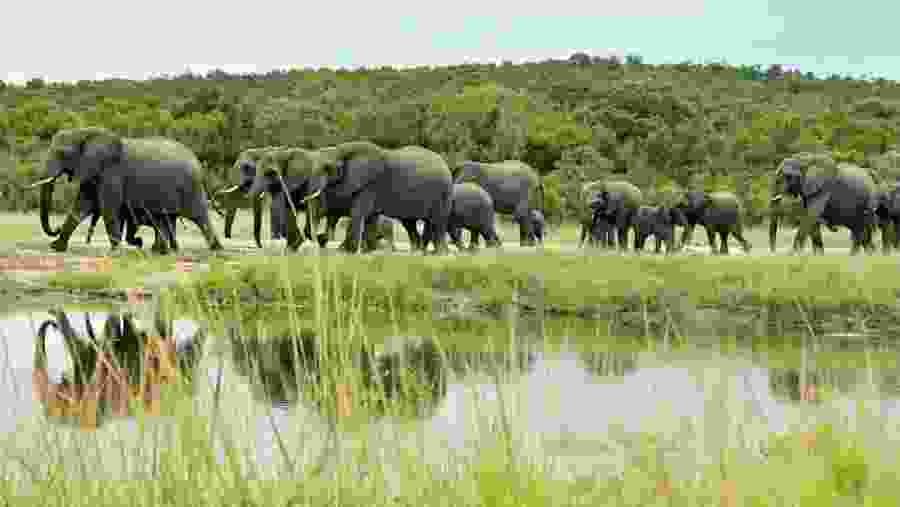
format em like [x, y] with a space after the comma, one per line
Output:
[285, 369]
[124, 363]
[609, 364]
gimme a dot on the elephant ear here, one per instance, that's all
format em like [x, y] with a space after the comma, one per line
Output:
[99, 153]
[354, 165]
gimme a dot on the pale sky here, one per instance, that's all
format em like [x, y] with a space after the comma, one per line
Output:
[96, 39]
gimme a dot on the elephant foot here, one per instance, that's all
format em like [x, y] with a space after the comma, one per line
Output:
[59, 246]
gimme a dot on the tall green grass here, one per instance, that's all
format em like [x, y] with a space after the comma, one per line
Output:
[199, 457]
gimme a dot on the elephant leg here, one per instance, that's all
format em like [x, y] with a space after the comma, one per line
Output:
[723, 238]
[363, 206]
[858, 237]
[73, 219]
[658, 241]
[522, 216]
[201, 219]
[687, 234]
[455, 233]
[711, 239]
[809, 223]
[412, 231]
[818, 244]
[737, 230]
[895, 238]
[229, 221]
[90, 232]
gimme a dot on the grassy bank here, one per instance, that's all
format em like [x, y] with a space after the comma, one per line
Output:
[566, 282]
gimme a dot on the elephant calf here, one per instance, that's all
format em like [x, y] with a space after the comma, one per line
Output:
[472, 208]
[719, 213]
[659, 222]
[538, 225]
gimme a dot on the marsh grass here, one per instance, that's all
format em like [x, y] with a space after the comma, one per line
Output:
[197, 457]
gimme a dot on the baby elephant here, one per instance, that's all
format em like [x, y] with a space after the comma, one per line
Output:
[472, 209]
[719, 213]
[659, 222]
[538, 225]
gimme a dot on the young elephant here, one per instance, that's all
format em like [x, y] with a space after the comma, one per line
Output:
[472, 208]
[538, 225]
[659, 222]
[719, 213]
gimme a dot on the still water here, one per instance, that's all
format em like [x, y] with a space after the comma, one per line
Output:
[577, 402]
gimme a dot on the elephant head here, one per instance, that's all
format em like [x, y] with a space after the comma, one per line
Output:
[793, 178]
[467, 170]
[304, 170]
[80, 153]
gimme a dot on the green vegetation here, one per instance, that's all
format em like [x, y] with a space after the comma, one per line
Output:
[199, 455]
[722, 126]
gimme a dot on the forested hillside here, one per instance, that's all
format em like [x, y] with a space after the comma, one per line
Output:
[575, 120]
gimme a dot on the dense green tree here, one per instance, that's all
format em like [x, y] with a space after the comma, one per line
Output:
[574, 119]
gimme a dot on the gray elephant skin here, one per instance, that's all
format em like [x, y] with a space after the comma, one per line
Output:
[408, 184]
[538, 225]
[288, 176]
[616, 202]
[515, 187]
[659, 222]
[720, 213]
[147, 174]
[88, 205]
[472, 209]
[888, 213]
[832, 194]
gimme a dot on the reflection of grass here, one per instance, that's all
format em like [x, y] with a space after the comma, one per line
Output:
[370, 467]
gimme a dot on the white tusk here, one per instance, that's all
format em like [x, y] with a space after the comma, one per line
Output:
[228, 190]
[44, 181]
[313, 196]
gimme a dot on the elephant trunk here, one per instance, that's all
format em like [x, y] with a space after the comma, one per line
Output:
[773, 225]
[257, 220]
[46, 202]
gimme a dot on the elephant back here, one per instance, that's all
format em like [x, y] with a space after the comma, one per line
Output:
[723, 200]
[634, 198]
[427, 161]
[472, 192]
[870, 177]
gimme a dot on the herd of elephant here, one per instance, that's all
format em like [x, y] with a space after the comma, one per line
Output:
[154, 181]
[831, 194]
[132, 182]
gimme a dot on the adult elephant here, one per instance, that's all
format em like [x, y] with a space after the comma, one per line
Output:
[585, 217]
[659, 222]
[236, 197]
[292, 183]
[87, 204]
[832, 194]
[472, 209]
[888, 212]
[616, 203]
[408, 184]
[515, 187]
[137, 174]
[719, 213]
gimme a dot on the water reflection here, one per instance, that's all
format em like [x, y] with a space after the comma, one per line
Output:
[107, 371]
[283, 370]
[565, 405]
